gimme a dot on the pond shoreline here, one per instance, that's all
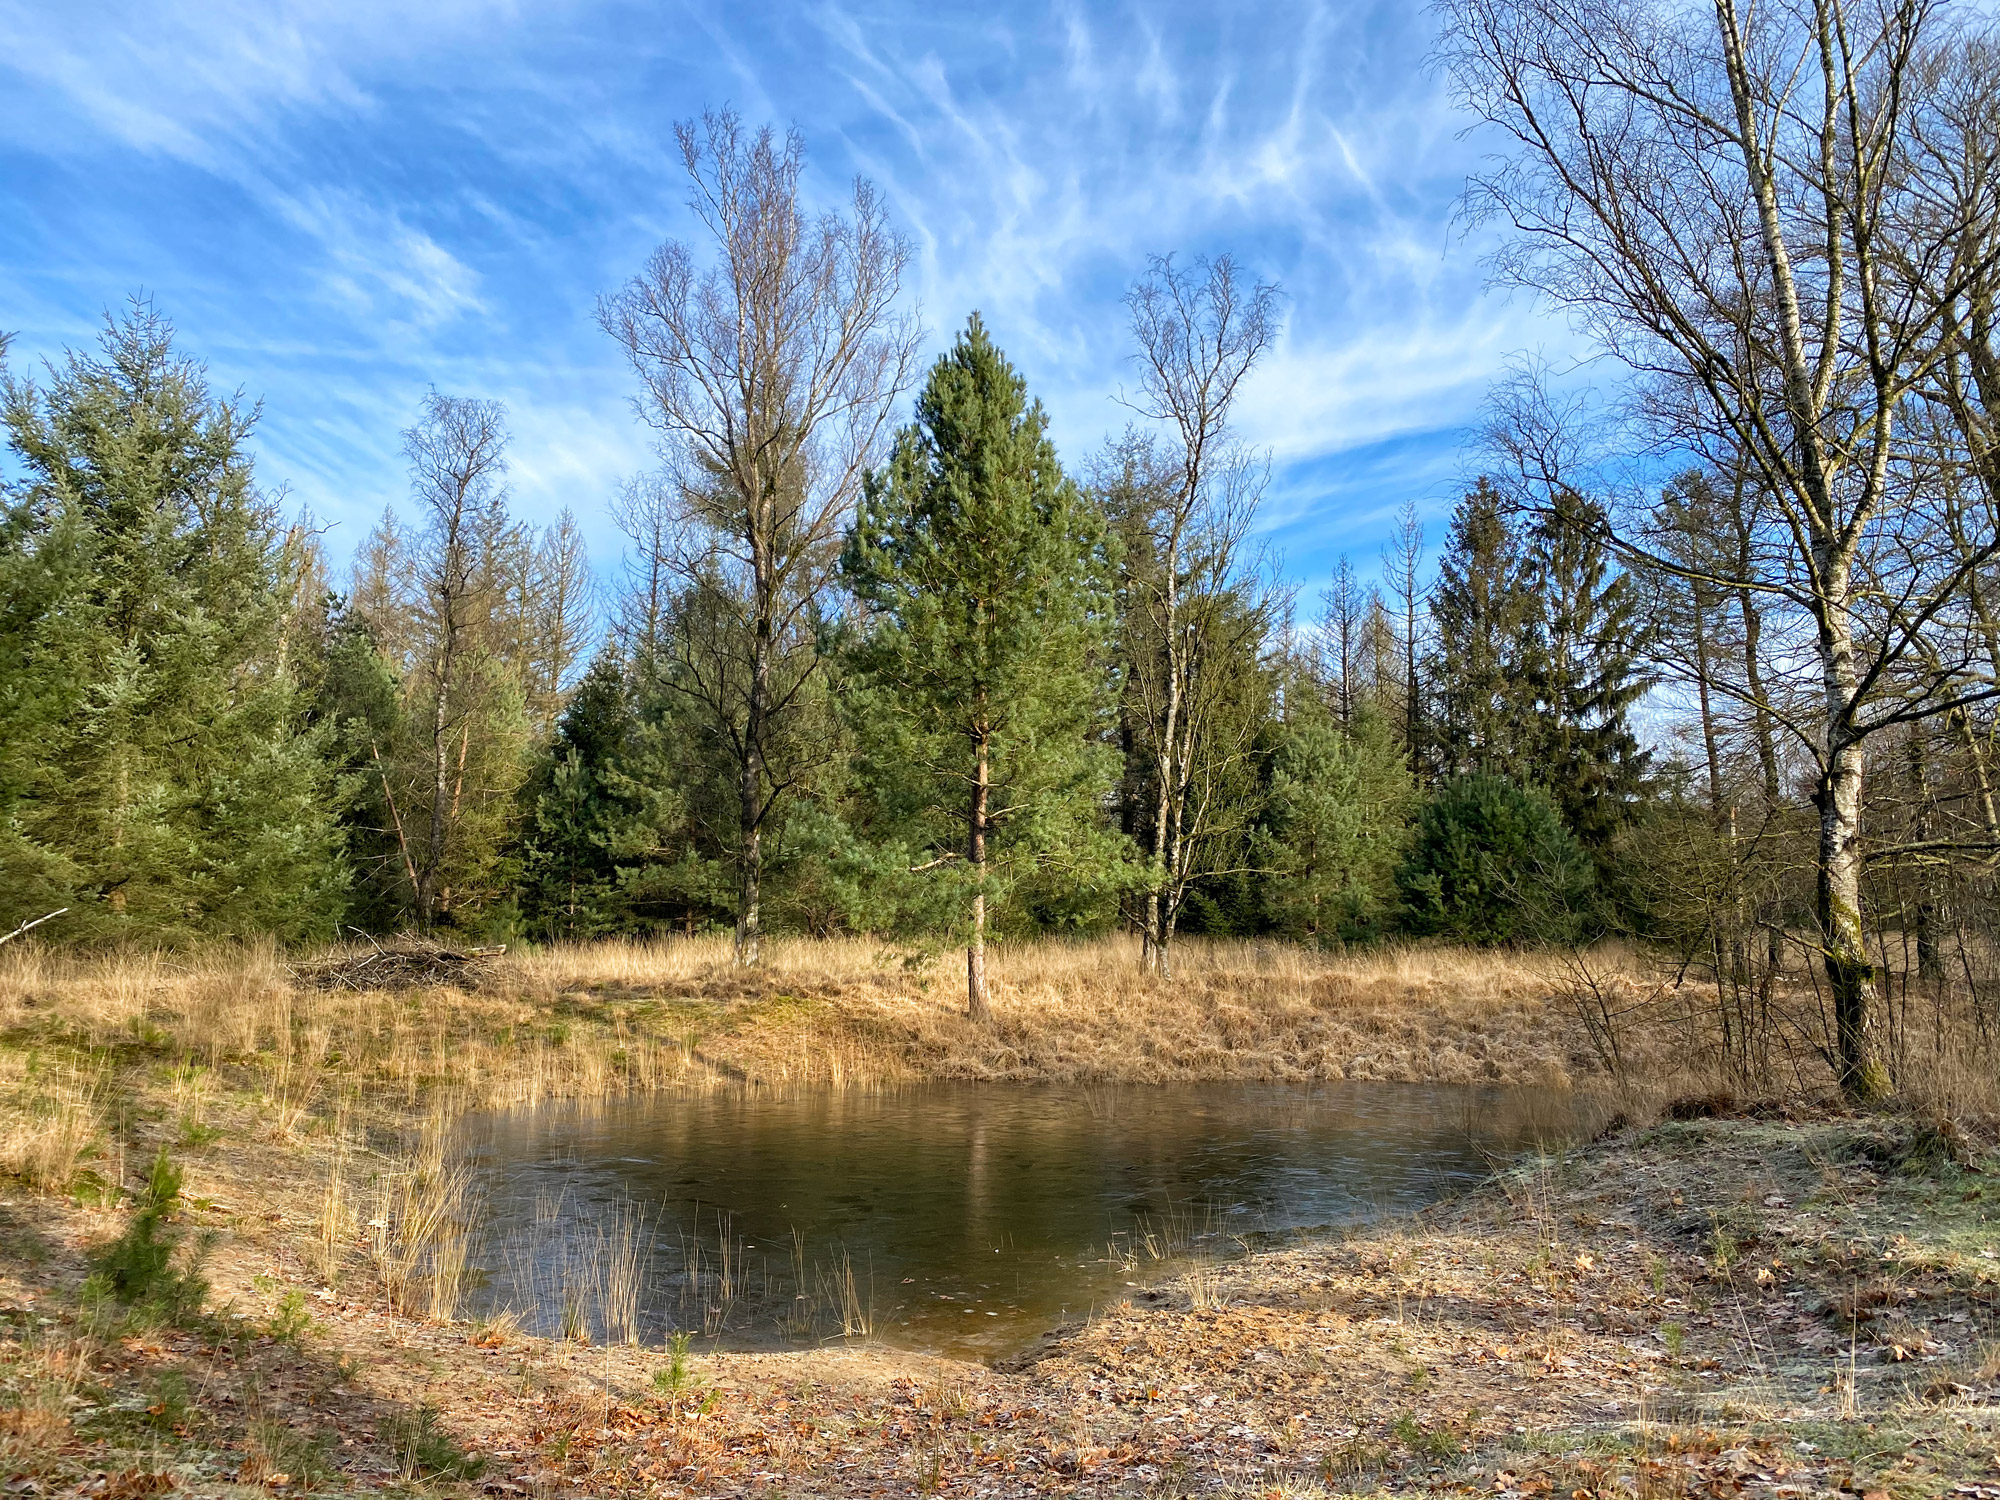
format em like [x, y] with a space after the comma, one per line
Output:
[1725, 1306]
[1707, 1277]
[954, 1218]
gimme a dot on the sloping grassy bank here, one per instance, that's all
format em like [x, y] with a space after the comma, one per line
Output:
[597, 1019]
[1657, 1312]
[1717, 1307]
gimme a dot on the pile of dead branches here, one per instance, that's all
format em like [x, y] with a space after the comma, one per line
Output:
[406, 964]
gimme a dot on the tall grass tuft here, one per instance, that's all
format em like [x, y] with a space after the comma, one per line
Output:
[334, 1218]
[843, 1294]
[51, 1122]
[624, 1250]
[422, 1231]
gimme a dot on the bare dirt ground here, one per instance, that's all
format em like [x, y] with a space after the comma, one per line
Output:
[1761, 1307]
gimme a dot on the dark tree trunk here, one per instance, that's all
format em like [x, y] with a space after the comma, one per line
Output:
[975, 852]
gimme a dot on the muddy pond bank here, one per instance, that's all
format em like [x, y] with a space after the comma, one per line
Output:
[1771, 1308]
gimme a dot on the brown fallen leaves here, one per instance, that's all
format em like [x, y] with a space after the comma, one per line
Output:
[1579, 1330]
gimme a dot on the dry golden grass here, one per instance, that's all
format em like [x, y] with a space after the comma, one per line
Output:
[591, 1019]
[855, 1012]
[240, 1037]
[49, 1118]
[240, 1030]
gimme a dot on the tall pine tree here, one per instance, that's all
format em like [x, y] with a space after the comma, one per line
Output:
[982, 663]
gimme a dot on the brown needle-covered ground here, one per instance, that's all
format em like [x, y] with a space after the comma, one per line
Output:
[1715, 1306]
[1785, 1305]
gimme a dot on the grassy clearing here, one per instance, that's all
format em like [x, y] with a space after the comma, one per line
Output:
[585, 1021]
[1682, 1307]
[310, 1124]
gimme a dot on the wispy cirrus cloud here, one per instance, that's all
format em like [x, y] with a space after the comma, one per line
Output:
[377, 268]
[1040, 201]
[345, 203]
[188, 80]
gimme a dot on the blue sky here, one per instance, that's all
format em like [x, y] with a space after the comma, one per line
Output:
[343, 202]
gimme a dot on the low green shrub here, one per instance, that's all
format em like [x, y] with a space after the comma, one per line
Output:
[1492, 863]
[148, 1268]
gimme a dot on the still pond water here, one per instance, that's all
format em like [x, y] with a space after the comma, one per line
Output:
[962, 1219]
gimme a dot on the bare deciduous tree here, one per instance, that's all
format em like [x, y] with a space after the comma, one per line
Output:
[770, 374]
[562, 613]
[1195, 598]
[1713, 194]
[1343, 622]
[1402, 565]
[458, 462]
[645, 512]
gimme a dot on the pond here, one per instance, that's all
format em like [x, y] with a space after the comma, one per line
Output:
[963, 1219]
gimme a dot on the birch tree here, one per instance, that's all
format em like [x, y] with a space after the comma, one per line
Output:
[463, 697]
[769, 368]
[1193, 597]
[1711, 194]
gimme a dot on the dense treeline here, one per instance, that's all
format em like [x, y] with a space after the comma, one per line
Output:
[989, 694]
[938, 681]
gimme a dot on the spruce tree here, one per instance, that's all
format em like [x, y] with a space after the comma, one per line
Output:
[1491, 862]
[1538, 643]
[571, 817]
[157, 776]
[611, 838]
[981, 665]
[1586, 671]
[1336, 819]
[357, 704]
[1486, 617]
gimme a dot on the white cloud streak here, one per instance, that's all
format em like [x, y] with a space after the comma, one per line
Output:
[437, 193]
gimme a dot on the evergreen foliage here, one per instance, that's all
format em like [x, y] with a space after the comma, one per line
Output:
[609, 841]
[574, 818]
[357, 704]
[157, 776]
[1486, 615]
[1491, 862]
[138, 1267]
[979, 672]
[198, 737]
[1539, 642]
[1336, 814]
[1585, 672]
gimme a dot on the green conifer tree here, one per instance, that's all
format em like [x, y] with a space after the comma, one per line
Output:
[1336, 822]
[611, 841]
[1587, 674]
[572, 817]
[157, 775]
[357, 703]
[1485, 615]
[1491, 862]
[1538, 645]
[984, 572]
